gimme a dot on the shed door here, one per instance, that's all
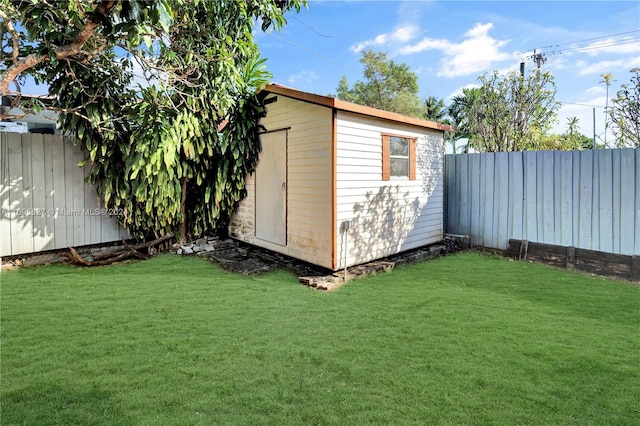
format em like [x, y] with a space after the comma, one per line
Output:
[271, 188]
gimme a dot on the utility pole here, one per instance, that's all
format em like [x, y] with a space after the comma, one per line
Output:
[539, 59]
[594, 128]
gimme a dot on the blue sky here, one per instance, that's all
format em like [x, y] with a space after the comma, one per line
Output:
[450, 43]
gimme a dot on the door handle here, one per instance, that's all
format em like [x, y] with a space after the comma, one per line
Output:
[284, 185]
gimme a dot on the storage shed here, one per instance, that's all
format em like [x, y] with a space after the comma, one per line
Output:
[340, 184]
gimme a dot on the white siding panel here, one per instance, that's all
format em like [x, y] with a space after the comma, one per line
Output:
[386, 216]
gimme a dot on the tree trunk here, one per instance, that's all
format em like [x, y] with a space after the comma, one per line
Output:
[182, 228]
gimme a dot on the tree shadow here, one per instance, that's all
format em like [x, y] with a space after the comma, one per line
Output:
[398, 215]
[19, 219]
[381, 223]
[45, 201]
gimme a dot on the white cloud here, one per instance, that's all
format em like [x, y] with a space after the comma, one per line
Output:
[402, 34]
[303, 76]
[594, 91]
[585, 68]
[478, 52]
[613, 46]
[458, 91]
[426, 44]
[405, 34]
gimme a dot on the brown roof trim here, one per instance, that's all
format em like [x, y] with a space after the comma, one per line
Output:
[354, 108]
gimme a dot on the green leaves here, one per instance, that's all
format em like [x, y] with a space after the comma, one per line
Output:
[511, 113]
[143, 143]
[625, 112]
[388, 85]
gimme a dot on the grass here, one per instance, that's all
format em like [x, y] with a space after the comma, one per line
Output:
[465, 339]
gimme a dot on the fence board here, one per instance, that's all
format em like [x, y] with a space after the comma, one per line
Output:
[462, 176]
[487, 183]
[5, 202]
[584, 199]
[59, 185]
[616, 202]
[605, 191]
[546, 205]
[501, 199]
[44, 197]
[564, 197]
[49, 190]
[629, 184]
[586, 196]
[450, 205]
[636, 222]
[20, 224]
[38, 219]
[516, 200]
[474, 195]
[576, 160]
[530, 202]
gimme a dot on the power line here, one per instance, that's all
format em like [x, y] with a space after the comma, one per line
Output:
[586, 105]
[306, 49]
[598, 46]
[590, 39]
[312, 29]
[602, 45]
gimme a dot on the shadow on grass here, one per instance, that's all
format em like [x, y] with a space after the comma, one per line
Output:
[46, 403]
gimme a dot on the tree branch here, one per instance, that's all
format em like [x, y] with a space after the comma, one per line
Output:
[15, 36]
[30, 61]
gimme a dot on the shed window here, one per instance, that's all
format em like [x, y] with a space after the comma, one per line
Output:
[398, 157]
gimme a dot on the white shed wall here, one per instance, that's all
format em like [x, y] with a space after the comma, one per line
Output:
[308, 183]
[387, 217]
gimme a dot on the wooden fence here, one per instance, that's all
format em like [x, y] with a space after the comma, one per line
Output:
[584, 199]
[44, 200]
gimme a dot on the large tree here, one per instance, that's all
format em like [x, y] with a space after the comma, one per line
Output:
[173, 155]
[511, 113]
[625, 112]
[387, 85]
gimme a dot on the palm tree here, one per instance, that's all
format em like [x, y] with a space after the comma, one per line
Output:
[435, 109]
[607, 79]
[459, 111]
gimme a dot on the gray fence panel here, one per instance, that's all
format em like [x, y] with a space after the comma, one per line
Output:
[564, 197]
[487, 183]
[585, 199]
[45, 199]
[502, 198]
[464, 203]
[516, 198]
[450, 206]
[636, 233]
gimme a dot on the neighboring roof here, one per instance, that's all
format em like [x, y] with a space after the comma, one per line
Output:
[354, 108]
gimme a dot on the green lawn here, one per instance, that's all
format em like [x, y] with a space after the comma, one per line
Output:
[464, 339]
